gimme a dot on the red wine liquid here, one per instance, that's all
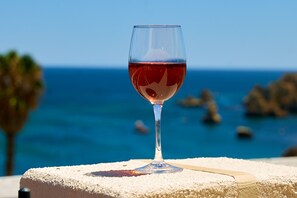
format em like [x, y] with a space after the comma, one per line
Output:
[157, 81]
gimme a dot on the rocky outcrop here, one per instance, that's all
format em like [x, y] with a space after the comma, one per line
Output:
[244, 132]
[212, 116]
[192, 101]
[206, 100]
[206, 96]
[140, 127]
[278, 99]
[290, 152]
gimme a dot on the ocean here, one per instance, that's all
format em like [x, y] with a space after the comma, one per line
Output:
[87, 116]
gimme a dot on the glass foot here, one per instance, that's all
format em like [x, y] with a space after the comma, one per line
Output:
[158, 168]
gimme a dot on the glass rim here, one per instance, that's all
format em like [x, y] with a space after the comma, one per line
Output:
[157, 26]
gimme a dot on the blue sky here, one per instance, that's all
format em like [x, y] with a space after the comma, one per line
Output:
[217, 33]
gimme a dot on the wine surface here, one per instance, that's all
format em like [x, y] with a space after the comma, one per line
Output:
[157, 81]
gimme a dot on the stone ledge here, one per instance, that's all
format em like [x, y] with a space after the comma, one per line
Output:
[288, 161]
[84, 181]
[9, 186]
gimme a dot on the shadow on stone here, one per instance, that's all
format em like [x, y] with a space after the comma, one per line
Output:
[116, 173]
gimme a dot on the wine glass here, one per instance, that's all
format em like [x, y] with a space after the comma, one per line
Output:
[157, 68]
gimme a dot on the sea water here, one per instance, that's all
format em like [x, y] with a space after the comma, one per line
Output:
[87, 116]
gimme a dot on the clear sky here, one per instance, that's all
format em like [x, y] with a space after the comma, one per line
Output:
[217, 33]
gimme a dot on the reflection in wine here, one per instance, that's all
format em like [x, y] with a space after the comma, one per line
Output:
[157, 81]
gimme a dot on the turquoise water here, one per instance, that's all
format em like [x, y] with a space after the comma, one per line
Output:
[87, 116]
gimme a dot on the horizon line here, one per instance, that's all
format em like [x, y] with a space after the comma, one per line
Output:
[191, 67]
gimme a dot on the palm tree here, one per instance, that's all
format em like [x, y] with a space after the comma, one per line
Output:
[21, 85]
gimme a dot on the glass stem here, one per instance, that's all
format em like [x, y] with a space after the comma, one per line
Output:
[158, 150]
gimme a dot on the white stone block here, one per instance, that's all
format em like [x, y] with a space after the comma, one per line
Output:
[90, 181]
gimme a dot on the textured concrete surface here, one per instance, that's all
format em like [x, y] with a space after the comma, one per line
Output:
[288, 161]
[9, 185]
[119, 180]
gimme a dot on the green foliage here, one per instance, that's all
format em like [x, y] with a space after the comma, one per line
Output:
[21, 85]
